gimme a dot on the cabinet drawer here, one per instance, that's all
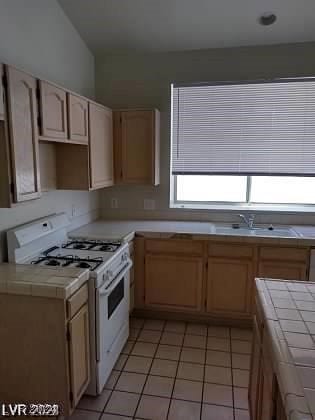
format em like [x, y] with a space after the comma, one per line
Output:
[77, 301]
[174, 246]
[282, 253]
[230, 251]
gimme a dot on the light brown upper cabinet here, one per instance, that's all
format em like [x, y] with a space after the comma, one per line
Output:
[1, 94]
[101, 146]
[23, 134]
[230, 279]
[137, 146]
[93, 161]
[53, 112]
[78, 119]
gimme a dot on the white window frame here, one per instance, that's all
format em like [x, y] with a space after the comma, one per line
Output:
[235, 206]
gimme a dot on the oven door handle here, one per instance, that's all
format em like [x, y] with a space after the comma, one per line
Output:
[106, 290]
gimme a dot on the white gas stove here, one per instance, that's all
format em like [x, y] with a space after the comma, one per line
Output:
[45, 242]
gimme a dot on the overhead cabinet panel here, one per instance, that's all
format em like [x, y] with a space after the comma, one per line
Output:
[1, 94]
[137, 144]
[101, 146]
[78, 118]
[53, 109]
[22, 118]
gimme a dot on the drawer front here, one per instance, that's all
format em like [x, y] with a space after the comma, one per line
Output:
[284, 253]
[77, 301]
[230, 251]
[174, 246]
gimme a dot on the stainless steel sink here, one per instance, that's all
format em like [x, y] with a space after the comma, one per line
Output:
[257, 231]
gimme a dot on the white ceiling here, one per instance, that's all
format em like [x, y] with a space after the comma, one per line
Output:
[174, 25]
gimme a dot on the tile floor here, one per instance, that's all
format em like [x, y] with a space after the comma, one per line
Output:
[176, 370]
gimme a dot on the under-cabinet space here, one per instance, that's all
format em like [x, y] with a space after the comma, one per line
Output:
[53, 111]
[47, 164]
[137, 146]
[78, 118]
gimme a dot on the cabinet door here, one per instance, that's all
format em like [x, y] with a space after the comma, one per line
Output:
[53, 108]
[229, 286]
[22, 118]
[173, 282]
[1, 94]
[101, 146]
[79, 352]
[78, 118]
[137, 138]
[255, 372]
[282, 270]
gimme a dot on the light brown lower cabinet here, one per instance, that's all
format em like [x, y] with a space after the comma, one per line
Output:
[173, 282]
[283, 263]
[265, 402]
[214, 279]
[44, 352]
[285, 270]
[229, 284]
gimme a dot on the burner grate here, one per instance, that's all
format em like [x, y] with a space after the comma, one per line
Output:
[67, 260]
[91, 245]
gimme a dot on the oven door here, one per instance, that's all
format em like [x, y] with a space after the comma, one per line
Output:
[112, 322]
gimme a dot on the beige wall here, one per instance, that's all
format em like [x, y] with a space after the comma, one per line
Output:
[37, 36]
[144, 81]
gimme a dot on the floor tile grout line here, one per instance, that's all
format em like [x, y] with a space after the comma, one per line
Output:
[176, 373]
[178, 362]
[233, 408]
[149, 370]
[114, 386]
[204, 377]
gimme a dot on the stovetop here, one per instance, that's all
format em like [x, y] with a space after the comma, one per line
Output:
[78, 253]
[68, 261]
[92, 245]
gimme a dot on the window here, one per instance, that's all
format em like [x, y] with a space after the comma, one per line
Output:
[246, 143]
[244, 190]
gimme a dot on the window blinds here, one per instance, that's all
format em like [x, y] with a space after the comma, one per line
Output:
[247, 128]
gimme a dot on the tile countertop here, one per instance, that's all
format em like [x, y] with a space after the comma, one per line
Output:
[288, 311]
[126, 229]
[41, 281]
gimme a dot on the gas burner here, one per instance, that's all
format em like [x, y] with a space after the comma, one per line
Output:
[79, 246]
[109, 248]
[52, 262]
[84, 264]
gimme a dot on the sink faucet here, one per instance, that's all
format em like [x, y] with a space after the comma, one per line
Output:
[249, 220]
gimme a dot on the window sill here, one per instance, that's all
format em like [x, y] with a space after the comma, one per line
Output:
[254, 208]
